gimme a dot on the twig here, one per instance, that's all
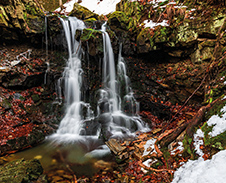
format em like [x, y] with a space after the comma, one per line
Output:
[68, 167]
[187, 101]
[153, 169]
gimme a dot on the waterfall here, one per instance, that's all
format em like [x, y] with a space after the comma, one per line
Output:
[47, 56]
[117, 109]
[71, 123]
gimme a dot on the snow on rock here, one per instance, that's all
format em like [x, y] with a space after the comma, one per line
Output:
[200, 171]
[149, 147]
[152, 25]
[218, 123]
[179, 148]
[198, 141]
[99, 7]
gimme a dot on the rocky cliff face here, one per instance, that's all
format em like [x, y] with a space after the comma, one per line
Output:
[21, 19]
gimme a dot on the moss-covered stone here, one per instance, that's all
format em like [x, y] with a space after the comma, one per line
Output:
[82, 12]
[35, 98]
[118, 20]
[20, 17]
[90, 22]
[186, 35]
[217, 142]
[94, 39]
[5, 104]
[19, 171]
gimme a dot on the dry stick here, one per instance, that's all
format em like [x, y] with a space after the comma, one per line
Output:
[187, 100]
[78, 47]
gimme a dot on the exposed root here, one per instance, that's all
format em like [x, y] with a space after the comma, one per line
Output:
[153, 169]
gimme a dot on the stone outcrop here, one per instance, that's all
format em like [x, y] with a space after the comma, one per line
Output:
[21, 19]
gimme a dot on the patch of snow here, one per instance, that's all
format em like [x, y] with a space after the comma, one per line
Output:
[152, 25]
[180, 7]
[172, 2]
[222, 78]
[218, 123]
[15, 62]
[99, 7]
[147, 163]
[200, 171]
[150, 144]
[179, 148]
[198, 141]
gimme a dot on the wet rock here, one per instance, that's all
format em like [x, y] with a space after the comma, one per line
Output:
[35, 137]
[95, 41]
[19, 171]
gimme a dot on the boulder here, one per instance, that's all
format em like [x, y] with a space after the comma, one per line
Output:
[19, 171]
[82, 12]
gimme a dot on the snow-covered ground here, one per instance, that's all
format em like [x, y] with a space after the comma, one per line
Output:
[200, 171]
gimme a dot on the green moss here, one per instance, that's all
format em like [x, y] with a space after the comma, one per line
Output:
[35, 98]
[5, 104]
[187, 144]
[90, 21]
[94, 39]
[21, 171]
[157, 164]
[216, 110]
[215, 142]
[90, 33]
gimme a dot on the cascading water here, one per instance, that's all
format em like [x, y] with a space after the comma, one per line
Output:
[72, 75]
[117, 110]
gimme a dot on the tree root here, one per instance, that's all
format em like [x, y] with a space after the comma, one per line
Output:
[153, 169]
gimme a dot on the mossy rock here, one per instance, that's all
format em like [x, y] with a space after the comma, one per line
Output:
[118, 20]
[186, 36]
[82, 12]
[19, 171]
[6, 104]
[35, 98]
[94, 39]
[21, 19]
[217, 142]
[3, 17]
[90, 22]
[161, 34]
